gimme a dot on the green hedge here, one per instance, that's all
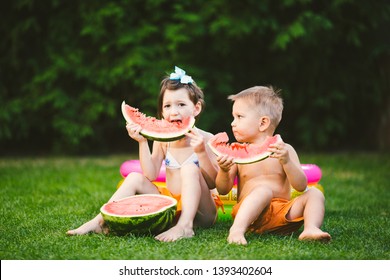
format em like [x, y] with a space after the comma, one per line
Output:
[66, 66]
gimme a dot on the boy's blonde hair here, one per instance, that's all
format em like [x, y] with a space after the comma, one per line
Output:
[266, 99]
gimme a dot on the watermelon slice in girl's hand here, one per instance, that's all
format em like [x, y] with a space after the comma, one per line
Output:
[243, 153]
[154, 129]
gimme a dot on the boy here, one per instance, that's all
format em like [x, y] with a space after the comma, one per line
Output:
[264, 203]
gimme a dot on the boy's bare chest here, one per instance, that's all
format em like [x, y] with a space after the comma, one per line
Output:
[265, 168]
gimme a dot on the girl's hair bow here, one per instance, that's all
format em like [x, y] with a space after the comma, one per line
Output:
[180, 74]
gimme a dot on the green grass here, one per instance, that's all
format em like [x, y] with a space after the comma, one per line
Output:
[42, 198]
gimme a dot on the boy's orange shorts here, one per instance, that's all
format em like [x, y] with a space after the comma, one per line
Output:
[273, 218]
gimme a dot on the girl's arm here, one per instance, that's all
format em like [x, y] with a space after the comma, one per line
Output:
[150, 162]
[207, 160]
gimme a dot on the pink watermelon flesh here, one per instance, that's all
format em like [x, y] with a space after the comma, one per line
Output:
[137, 205]
[154, 129]
[243, 153]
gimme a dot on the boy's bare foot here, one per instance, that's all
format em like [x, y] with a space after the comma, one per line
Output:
[175, 233]
[95, 225]
[315, 234]
[237, 237]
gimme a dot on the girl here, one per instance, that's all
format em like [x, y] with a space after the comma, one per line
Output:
[191, 168]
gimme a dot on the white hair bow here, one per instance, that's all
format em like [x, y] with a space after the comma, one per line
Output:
[180, 74]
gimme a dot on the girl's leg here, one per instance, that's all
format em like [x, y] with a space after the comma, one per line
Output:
[312, 206]
[197, 204]
[207, 210]
[251, 207]
[135, 183]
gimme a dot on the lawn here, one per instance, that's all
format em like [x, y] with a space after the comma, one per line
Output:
[41, 198]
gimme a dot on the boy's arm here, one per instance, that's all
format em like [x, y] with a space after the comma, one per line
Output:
[294, 171]
[226, 175]
[289, 160]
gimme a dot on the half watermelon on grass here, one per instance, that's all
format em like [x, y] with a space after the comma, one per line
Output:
[154, 129]
[243, 153]
[140, 214]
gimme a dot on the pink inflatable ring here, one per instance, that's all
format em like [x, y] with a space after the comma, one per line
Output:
[312, 172]
[135, 166]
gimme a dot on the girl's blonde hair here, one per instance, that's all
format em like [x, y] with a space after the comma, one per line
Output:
[267, 100]
[195, 93]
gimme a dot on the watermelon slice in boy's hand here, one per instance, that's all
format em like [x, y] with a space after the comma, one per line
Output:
[243, 153]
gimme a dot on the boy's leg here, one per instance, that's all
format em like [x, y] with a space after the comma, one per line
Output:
[135, 183]
[250, 209]
[310, 205]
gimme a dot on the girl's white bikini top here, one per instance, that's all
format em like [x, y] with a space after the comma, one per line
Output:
[172, 163]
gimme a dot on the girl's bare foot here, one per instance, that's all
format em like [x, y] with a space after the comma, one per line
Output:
[175, 233]
[315, 234]
[95, 225]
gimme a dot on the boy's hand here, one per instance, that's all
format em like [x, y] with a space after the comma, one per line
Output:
[134, 132]
[279, 151]
[225, 162]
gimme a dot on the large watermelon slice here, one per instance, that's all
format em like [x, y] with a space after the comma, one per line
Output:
[154, 129]
[242, 153]
[140, 214]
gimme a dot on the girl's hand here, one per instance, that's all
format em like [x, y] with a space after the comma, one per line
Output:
[225, 162]
[197, 140]
[134, 132]
[279, 151]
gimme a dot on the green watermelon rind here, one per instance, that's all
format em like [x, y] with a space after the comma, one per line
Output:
[154, 137]
[159, 136]
[153, 223]
[238, 160]
[246, 160]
